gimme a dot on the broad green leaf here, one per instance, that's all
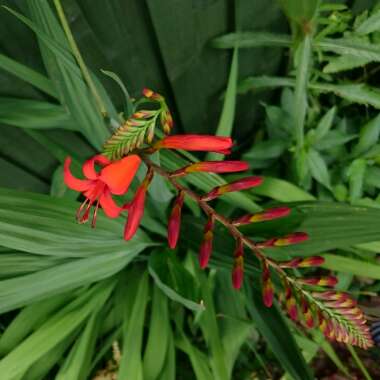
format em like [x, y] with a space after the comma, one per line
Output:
[43, 225]
[169, 370]
[353, 266]
[159, 335]
[318, 167]
[28, 319]
[334, 139]
[34, 114]
[173, 279]
[54, 331]
[131, 365]
[227, 117]
[281, 191]
[23, 72]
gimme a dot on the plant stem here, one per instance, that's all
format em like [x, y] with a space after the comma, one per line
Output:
[78, 57]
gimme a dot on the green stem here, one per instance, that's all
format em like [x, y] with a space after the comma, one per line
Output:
[359, 363]
[78, 57]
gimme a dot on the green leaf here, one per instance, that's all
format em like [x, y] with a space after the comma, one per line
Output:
[128, 100]
[352, 266]
[356, 174]
[372, 24]
[355, 93]
[281, 191]
[54, 331]
[159, 335]
[34, 114]
[334, 139]
[131, 365]
[369, 134]
[318, 168]
[300, 11]
[227, 117]
[25, 73]
[173, 279]
[324, 125]
[43, 225]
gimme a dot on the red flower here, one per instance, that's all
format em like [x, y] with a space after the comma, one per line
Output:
[113, 178]
[269, 214]
[196, 142]
[136, 208]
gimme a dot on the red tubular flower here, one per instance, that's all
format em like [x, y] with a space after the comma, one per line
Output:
[136, 208]
[241, 184]
[238, 269]
[206, 143]
[174, 224]
[113, 178]
[206, 246]
[268, 291]
[212, 167]
[270, 214]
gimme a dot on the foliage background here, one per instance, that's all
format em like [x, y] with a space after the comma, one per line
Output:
[164, 45]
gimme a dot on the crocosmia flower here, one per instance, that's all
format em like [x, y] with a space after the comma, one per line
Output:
[98, 187]
[206, 143]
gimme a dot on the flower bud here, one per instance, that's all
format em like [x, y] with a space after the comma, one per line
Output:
[189, 142]
[174, 224]
[268, 290]
[206, 246]
[241, 184]
[136, 208]
[312, 261]
[270, 214]
[238, 269]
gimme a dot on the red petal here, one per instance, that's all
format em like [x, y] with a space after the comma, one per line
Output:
[119, 175]
[73, 182]
[89, 166]
[109, 206]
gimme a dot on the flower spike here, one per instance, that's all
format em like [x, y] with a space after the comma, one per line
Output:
[239, 185]
[175, 220]
[136, 207]
[206, 246]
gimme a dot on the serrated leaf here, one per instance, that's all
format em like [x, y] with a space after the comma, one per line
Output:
[356, 174]
[324, 125]
[369, 135]
[372, 24]
[318, 168]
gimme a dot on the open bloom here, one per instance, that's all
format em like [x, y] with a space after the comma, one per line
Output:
[98, 187]
[206, 143]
